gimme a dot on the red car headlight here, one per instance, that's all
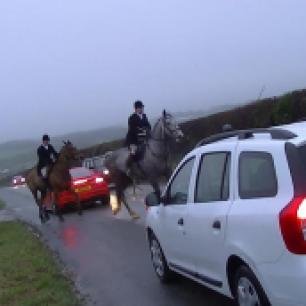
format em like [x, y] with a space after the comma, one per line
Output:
[99, 180]
[106, 172]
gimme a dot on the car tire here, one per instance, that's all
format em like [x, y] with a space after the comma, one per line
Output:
[106, 200]
[247, 289]
[159, 261]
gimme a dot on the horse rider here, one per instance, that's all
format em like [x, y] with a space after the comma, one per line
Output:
[46, 157]
[138, 132]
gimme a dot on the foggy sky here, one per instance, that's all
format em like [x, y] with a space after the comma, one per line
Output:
[75, 65]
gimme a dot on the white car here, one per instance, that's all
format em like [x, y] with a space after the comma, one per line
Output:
[233, 217]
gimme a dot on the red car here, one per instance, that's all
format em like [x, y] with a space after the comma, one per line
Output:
[18, 180]
[90, 185]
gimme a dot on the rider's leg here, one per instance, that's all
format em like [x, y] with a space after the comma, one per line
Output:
[39, 168]
[131, 159]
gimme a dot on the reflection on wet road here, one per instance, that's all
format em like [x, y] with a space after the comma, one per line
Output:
[108, 256]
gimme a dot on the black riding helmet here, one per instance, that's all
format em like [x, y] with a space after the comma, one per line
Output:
[46, 137]
[138, 104]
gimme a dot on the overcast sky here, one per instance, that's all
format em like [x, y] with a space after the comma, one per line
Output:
[69, 65]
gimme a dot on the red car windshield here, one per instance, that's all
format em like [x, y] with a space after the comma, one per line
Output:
[80, 172]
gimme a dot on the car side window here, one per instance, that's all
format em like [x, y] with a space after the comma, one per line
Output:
[257, 177]
[178, 189]
[213, 178]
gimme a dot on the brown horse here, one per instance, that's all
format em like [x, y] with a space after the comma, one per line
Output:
[59, 180]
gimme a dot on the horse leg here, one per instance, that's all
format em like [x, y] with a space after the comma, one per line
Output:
[131, 212]
[38, 202]
[77, 200]
[155, 186]
[43, 195]
[58, 211]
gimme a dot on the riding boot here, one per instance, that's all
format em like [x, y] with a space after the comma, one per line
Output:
[129, 165]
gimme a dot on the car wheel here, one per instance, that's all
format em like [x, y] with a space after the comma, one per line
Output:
[106, 200]
[159, 261]
[248, 291]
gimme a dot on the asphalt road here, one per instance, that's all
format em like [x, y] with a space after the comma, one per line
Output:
[108, 256]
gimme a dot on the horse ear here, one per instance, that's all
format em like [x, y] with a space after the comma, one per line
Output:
[164, 113]
[64, 142]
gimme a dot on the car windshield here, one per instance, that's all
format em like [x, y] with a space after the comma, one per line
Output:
[80, 172]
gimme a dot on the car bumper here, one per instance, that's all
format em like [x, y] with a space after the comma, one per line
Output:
[67, 197]
[284, 281]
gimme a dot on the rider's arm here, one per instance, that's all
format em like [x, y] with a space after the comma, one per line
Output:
[133, 129]
[40, 156]
[133, 125]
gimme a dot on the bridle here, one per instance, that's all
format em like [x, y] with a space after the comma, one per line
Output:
[166, 131]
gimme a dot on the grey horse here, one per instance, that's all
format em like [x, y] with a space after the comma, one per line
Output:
[153, 165]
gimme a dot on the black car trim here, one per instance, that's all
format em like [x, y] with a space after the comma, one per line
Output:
[197, 275]
[297, 169]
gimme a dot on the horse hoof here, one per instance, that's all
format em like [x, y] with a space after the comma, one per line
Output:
[135, 216]
[42, 220]
[115, 211]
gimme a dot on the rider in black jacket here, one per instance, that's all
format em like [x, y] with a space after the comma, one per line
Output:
[139, 130]
[46, 155]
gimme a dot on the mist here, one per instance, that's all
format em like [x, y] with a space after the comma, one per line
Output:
[79, 65]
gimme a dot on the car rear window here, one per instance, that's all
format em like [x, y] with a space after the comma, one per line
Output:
[80, 172]
[257, 177]
[302, 152]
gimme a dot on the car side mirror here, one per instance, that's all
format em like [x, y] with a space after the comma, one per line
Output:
[152, 199]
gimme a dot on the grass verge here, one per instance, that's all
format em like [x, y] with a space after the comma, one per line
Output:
[29, 275]
[2, 205]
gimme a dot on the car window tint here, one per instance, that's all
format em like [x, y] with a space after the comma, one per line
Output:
[257, 177]
[178, 191]
[80, 172]
[213, 178]
[302, 152]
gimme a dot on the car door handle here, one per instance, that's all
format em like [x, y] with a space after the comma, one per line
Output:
[180, 222]
[216, 225]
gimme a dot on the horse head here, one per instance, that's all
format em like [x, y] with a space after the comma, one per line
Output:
[170, 127]
[69, 151]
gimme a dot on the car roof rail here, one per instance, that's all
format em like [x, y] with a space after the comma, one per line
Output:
[276, 133]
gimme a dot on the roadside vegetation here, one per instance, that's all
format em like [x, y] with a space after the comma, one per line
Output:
[287, 108]
[2, 205]
[29, 275]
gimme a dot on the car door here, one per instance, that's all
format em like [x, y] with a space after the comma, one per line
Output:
[172, 216]
[208, 214]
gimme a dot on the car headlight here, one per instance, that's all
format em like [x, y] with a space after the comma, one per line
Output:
[23, 180]
[15, 181]
[106, 172]
[99, 180]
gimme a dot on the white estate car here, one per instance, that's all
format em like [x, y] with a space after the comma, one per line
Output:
[233, 217]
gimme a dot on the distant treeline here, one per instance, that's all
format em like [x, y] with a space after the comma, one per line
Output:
[288, 108]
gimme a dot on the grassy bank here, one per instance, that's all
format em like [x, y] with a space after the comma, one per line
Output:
[29, 275]
[2, 205]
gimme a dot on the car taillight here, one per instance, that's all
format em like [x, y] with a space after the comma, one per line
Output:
[293, 225]
[99, 180]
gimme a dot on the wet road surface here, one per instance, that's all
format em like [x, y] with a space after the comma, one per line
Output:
[108, 256]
